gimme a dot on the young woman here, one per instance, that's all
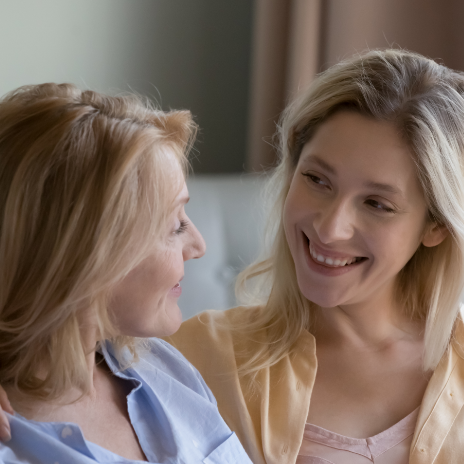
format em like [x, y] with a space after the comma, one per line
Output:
[93, 239]
[350, 347]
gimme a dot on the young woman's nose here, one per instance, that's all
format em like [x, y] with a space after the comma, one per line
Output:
[334, 222]
[195, 246]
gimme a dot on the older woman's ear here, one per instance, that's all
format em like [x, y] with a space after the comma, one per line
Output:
[434, 234]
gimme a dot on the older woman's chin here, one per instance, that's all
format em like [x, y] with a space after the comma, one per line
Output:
[165, 323]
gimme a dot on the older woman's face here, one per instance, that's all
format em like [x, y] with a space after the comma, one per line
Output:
[144, 304]
[355, 213]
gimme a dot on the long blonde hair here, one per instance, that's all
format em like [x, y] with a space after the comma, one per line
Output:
[426, 102]
[86, 184]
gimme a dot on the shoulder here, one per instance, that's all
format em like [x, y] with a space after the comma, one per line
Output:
[209, 340]
[36, 442]
[211, 329]
[215, 322]
[166, 358]
[162, 367]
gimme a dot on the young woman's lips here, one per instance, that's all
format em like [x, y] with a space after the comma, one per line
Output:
[326, 270]
[176, 291]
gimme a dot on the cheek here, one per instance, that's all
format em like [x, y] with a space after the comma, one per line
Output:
[140, 303]
[298, 225]
[298, 209]
[394, 245]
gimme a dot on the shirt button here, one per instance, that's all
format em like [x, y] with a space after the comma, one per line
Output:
[66, 432]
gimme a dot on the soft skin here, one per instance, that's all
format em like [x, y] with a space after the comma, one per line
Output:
[355, 194]
[144, 304]
[337, 202]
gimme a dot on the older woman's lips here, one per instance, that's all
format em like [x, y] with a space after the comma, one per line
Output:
[176, 291]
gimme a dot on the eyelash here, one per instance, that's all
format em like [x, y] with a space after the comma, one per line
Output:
[182, 228]
[311, 177]
[383, 208]
[386, 209]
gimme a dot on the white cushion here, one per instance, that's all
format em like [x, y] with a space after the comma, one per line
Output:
[227, 211]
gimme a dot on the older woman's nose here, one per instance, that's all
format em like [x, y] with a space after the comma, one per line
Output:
[195, 247]
[334, 223]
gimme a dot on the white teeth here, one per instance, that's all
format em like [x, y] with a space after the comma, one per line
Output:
[331, 261]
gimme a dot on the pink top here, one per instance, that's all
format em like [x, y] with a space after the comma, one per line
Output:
[388, 447]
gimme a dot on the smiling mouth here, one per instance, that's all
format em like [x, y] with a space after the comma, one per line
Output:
[330, 261]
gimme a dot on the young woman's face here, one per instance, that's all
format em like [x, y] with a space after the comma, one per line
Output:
[355, 213]
[144, 304]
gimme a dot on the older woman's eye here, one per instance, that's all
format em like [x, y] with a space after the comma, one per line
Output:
[182, 227]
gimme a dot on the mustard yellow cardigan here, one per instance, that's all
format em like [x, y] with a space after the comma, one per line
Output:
[270, 422]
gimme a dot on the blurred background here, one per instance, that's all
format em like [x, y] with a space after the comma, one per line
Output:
[235, 65]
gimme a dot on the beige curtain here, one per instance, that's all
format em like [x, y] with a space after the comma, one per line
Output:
[295, 39]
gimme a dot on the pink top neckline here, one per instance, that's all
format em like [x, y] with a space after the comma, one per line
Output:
[370, 448]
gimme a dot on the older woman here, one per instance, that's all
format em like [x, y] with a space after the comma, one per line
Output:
[350, 348]
[93, 239]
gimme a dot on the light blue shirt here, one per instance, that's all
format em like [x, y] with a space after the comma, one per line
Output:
[172, 411]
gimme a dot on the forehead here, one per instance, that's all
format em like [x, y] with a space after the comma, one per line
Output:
[350, 144]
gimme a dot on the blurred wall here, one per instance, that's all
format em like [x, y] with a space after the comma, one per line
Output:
[295, 39]
[432, 28]
[285, 57]
[182, 53]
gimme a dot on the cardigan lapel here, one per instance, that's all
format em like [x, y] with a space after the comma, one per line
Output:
[285, 401]
[442, 402]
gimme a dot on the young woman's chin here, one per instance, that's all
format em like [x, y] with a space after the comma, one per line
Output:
[322, 297]
[326, 293]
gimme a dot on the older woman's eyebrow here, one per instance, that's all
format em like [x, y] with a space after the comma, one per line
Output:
[183, 200]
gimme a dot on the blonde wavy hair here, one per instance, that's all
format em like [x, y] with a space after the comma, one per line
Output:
[425, 100]
[86, 185]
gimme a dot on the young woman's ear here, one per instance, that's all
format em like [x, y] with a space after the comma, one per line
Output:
[434, 234]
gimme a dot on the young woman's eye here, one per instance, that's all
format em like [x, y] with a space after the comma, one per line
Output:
[182, 227]
[315, 179]
[379, 206]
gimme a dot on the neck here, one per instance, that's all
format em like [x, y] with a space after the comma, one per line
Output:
[373, 323]
[35, 408]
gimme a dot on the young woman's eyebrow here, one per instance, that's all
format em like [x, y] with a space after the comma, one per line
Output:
[379, 186]
[387, 188]
[323, 164]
